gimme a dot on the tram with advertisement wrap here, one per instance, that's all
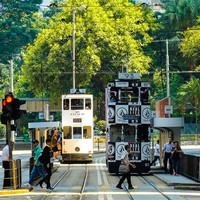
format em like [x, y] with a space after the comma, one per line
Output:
[77, 125]
[128, 114]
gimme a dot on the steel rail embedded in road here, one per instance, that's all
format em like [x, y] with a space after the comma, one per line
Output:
[126, 189]
[148, 181]
[84, 183]
[59, 180]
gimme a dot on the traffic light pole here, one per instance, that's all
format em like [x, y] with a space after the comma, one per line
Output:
[10, 143]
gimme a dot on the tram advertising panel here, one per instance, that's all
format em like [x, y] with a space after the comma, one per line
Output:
[146, 114]
[145, 151]
[111, 114]
[111, 151]
[121, 110]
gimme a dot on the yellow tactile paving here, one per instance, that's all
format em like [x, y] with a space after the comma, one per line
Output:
[161, 187]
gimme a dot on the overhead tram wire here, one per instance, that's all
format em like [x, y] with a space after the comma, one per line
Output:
[109, 72]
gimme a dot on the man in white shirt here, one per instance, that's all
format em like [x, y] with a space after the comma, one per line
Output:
[156, 153]
[6, 165]
[125, 161]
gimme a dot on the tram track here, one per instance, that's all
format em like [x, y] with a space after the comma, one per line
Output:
[155, 187]
[65, 175]
[128, 192]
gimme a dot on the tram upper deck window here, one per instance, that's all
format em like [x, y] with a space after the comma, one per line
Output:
[67, 132]
[113, 96]
[77, 104]
[129, 95]
[145, 96]
[88, 104]
[77, 133]
[66, 104]
[87, 132]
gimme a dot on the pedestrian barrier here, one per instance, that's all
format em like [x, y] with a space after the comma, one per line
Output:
[190, 166]
[12, 174]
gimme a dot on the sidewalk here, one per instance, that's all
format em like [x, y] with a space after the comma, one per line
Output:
[24, 155]
[179, 182]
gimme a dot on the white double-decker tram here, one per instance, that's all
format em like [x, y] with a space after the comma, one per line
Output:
[77, 124]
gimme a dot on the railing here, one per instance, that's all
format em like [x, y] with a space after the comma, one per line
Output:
[12, 174]
[190, 166]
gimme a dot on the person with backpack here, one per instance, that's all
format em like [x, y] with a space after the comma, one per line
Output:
[38, 166]
[45, 158]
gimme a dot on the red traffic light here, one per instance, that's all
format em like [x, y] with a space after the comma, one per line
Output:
[9, 99]
[4, 102]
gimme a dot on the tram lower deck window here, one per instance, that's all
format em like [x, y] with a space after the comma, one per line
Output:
[77, 133]
[87, 132]
[67, 132]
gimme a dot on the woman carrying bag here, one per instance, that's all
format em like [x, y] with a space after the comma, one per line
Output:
[124, 168]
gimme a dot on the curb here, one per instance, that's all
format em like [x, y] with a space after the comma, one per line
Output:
[18, 191]
[197, 188]
[177, 184]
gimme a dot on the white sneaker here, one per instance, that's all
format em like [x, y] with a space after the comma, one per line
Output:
[27, 185]
[44, 185]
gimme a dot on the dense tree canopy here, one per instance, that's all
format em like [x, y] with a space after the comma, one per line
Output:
[16, 28]
[108, 34]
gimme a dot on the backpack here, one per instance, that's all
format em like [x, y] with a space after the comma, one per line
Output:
[41, 157]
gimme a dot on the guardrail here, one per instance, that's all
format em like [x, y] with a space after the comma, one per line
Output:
[190, 166]
[12, 172]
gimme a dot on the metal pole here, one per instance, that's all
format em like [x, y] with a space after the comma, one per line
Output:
[73, 44]
[11, 75]
[167, 73]
[10, 143]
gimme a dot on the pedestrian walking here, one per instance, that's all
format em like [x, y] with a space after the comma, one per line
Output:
[125, 161]
[56, 143]
[46, 156]
[175, 156]
[6, 165]
[38, 166]
[156, 153]
[167, 149]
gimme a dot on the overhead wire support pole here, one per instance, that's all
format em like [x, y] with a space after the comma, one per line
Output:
[167, 72]
[73, 46]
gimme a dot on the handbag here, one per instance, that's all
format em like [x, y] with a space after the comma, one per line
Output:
[124, 169]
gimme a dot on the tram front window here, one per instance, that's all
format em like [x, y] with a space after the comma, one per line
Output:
[66, 104]
[86, 132]
[88, 104]
[77, 104]
[67, 132]
[77, 134]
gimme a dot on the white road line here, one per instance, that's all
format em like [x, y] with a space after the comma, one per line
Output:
[100, 197]
[109, 197]
[99, 180]
[101, 161]
[105, 178]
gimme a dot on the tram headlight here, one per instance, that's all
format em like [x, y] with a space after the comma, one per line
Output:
[77, 149]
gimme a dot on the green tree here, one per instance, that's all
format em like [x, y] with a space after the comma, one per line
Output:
[180, 14]
[108, 33]
[16, 28]
[190, 45]
[189, 93]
